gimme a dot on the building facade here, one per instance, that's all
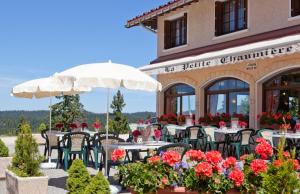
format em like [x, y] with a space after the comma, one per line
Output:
[231, 56]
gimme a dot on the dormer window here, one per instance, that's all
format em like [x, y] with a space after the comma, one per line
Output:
[295, 8]
[176, 32]
[230, 16]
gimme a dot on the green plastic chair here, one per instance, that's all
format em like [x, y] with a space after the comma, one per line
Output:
[267, 134]
[180, 148]
[242, 142]
[169, 133]
[211, 141]
[75, 143]
[193, 136]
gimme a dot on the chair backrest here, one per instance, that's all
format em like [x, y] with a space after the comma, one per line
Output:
[133, 126]
[192, 132]
[244, 136]
[210, 131]
[267, 135]
[110, 140]
[180, 148]
[171, 129]
[51, 138]
[76, 140]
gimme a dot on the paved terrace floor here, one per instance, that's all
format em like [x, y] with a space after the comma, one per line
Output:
[57, 177]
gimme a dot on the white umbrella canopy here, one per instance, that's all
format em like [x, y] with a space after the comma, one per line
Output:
[109, 75]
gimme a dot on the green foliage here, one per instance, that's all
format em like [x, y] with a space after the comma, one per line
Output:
[119, 123]
[26, 160]
[78, 178]
[98, 185]
[282, 179]
[67, 111]
[42, 127]
[146, 178]
[3, 149]
[21, 122]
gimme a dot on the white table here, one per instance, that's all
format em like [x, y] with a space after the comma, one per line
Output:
[228, 130]
[61, 134]
[287, 135]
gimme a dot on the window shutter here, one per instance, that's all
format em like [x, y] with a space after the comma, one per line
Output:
[185, 28]
[167, 33]
[218, 18]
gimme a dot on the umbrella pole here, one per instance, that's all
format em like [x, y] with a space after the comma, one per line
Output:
[107, 117]
[50, 121]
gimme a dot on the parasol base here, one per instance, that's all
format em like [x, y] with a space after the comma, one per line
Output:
[48, 165]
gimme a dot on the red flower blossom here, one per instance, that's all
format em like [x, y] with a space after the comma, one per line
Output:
[157, 133]
[73, 126]
[59, 125]
[154, 160]
[264, 149]
[258, 166]
[136, 133]
[286, 154]
[164, 181]
[222, 124]
[84, 125]
[243, 124]
[204, 169]
[237, 177]
[171, 157]
[230, 162]
[277, 163]
[195, 155]
[96, 125]
[118, 154]
[295, 163]
[213, 157]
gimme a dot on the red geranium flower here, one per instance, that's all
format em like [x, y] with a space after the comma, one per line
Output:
[84, 125]
[213, 157]
[118, 154]
[59, 125]
[222, 124]
[73, 126]
[230, 162]
[277, 163]
[154, 160]
[258, 166]
[157, 133]
[264, 149]
[195, 155]
[204, 169]
[170, 157]
[96, 125]
[164, 181]
[136, 133]
[237, 177]
[295, 163]
[286, 154]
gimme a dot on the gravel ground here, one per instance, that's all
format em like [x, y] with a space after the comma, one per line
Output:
[57, 177]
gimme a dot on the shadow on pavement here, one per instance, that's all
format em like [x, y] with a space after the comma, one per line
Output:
[58, 182]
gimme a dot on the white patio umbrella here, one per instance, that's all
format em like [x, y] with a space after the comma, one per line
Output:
[111, 76]
[41, 88]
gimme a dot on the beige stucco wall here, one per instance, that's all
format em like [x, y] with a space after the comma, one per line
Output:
[199, 79]
[263, 16]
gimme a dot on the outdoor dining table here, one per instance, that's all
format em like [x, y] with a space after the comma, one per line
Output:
[293, 137]
[127, 146]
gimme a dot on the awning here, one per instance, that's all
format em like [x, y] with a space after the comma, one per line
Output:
[248, 52]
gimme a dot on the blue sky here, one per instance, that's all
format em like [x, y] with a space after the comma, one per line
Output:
[39, 38]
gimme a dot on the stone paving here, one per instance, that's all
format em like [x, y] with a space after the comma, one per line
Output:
[57, 177]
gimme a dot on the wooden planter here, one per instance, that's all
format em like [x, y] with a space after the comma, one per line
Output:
[25, 185]
[4, 163]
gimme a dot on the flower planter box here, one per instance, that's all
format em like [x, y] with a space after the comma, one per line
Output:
[181, 123]
[273, 126]
[25, 185]
[4, 163]
[181, 190]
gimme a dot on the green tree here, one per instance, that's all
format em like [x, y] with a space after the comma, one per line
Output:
[98, 185]
[27, 159]
[3, 149]
[42, 127]
[78, 178]
[119, 122]
[67, 111]
[21, 122]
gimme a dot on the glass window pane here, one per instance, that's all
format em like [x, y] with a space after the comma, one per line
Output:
[239, 103]
[216, 103]
[188, 105]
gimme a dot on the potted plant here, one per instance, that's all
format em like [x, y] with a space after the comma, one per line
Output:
[97, 125]
[181, 119]
[172, 118]
[24, 175]
[5, 160]
[163, 119]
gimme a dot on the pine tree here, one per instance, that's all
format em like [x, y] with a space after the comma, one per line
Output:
[98, 185]
[21, 122]
[67, 111]
[120, 122]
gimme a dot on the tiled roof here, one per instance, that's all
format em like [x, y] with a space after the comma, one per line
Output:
[150, 18]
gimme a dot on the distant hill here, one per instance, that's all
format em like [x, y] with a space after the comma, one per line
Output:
[9, 119]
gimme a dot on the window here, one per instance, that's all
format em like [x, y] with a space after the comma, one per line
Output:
[180, 99]
[227, 96]
[282, 93]
[230, 16]
[295, 8]
[176, 32]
